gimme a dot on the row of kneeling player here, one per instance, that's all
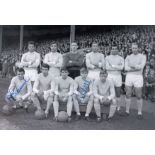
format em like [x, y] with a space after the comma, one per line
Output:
[62, 90]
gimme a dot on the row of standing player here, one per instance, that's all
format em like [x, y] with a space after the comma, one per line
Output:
[95, 61]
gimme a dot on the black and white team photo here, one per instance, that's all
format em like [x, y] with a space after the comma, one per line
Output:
[77, 77]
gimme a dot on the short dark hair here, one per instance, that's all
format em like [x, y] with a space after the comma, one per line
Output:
[73, 42]
[114, 44]
[44, 65]
[53, 42]
[20, 70]
[134, 43]
[31, 42]
[94, 42]
[83, 69]
[103, 71]
[64, 69]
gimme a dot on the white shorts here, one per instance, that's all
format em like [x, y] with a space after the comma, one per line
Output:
[85, 99]
[43, 98]
[31, 74]
[94, 74]
[134, 80]
[117, 79]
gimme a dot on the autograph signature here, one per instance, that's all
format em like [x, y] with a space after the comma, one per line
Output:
[13, 93]
[84, 89]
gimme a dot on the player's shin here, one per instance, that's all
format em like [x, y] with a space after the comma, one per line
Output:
[118, 100]
[56, 108]
[128, 103]
[36, 102]
[76, 106]
[9, 100]
[97, 108]
[49, 103]
[69, 106]
[89, 107]
[112, 108]
[140, 106]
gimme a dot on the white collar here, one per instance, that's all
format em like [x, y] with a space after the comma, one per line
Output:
[31, 52]
[53, 52]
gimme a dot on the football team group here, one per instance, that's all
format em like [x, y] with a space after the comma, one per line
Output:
[75, 80]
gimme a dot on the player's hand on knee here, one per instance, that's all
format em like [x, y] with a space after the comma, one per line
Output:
[69, 94]
[99, 99]
[88, 94]
[51, 94]
[76, 93]
[30, 62]
[40, 93]
[46, 113]
[33, 94]
[74, 96]
[56, 93]
[65, 98]
[100, 64]
[18, 98]
[107, 100]
[103, 99]
[70, 61]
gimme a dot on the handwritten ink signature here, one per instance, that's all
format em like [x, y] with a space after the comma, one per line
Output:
[84, 89]
[13, 93]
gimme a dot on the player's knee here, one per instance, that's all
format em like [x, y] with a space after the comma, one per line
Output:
[96, 101]
[52, 95]
[75, 101]
[91, 98]
[33, 95]
[118, 94]
[113, 102]
[139, 96]
[55, 103]
[40, 97]
[128, 94]
[90, 102]
[74, 96]
[7, 99]
[50, 99]
[76, 104]
[56, 97]
[97, 106]
[69, 103]
[118, 91]
[70, 98]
